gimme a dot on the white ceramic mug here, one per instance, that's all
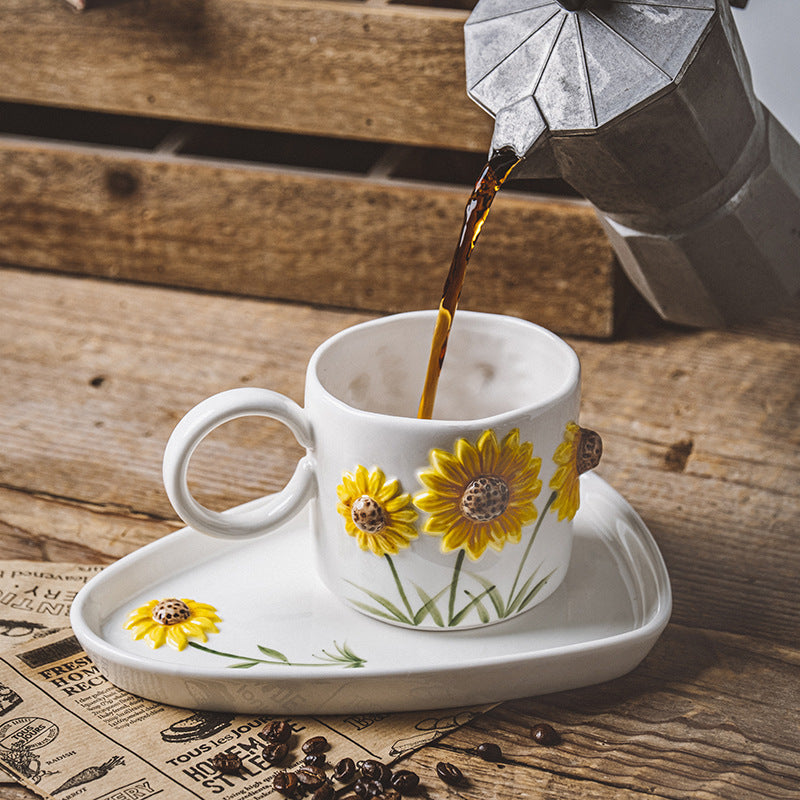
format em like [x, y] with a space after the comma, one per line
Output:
[446, 523]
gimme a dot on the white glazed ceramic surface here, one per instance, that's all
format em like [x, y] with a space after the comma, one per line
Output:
[598, 625]
[501, 374]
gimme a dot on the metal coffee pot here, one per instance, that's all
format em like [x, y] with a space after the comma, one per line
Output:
[647, 109]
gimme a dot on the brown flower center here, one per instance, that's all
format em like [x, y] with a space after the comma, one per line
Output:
[485, 498]
[588, 451]
[368, 514]
[171, 611]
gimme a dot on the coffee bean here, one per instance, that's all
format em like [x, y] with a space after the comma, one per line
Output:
[375, 771]
[545, 735]
[489, 751]
[449, 773]
[374, 788]
[366, 788]
[324, 792]
[275, 752]
[276, 731]
[286, 783]
[345, 770]
[310, 777]
[227, 763]
[315, 759]
[390, 794]
[405, 781]
[316, 744]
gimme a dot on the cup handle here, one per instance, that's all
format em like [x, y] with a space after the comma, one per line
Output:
[257, 517]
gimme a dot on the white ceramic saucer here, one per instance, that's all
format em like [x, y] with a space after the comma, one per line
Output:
[598, 625]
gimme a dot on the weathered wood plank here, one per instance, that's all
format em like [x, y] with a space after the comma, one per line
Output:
[702, 434]
[390, 73]
[338, 240]
[96, 374]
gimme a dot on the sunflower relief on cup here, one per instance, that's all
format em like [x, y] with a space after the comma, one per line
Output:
[448, 523]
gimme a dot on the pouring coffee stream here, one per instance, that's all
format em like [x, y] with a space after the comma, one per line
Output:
[492, 177]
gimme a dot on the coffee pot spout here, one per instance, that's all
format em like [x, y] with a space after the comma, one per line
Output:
[522, 128]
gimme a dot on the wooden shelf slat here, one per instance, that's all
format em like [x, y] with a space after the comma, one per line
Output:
[385, 72]
[317, 237]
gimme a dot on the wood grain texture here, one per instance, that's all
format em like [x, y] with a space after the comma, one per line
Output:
[382, 72]
[707, 716]
[702, 436]
[336, 240]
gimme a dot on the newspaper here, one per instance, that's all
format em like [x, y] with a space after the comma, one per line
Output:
[66, 732]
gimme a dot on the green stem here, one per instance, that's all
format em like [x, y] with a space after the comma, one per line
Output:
[453, 585]
[399, 586]
[249, 660]
[550, 500]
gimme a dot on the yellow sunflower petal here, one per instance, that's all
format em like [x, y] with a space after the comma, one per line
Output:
[394, 503]
[192, 629]
[362, 480]
[135, 618]
[449, 466]
[438, 483]
[375, 481]
[403, 515]
[344, 509]
[176, 637]
[143, 629]
[351, 486]
[489, 451]
[205, 624]
[469, 457]
[433, 503]
[156, 636]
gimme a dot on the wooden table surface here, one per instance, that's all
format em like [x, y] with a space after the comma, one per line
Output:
[701, 433]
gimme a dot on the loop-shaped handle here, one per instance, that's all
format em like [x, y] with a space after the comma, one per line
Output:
[254, 518]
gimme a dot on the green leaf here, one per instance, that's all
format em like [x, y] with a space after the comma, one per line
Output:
[429, 606]
[374, 611]
[535, 590]
[494, 595]
[387, 604]
[458, 618]
[268, 651]
[483, 614]
[245, 664]
[515, 602]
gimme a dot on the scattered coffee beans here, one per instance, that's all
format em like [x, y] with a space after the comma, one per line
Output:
[449, 773]
[276, 731]
[316, 744]
[345, 770]
[405, 781]
[227, 763]
[286, 783]
[545, 735]
[275, 752]
[489, 751]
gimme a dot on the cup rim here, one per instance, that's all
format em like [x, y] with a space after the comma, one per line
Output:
[571, 381]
